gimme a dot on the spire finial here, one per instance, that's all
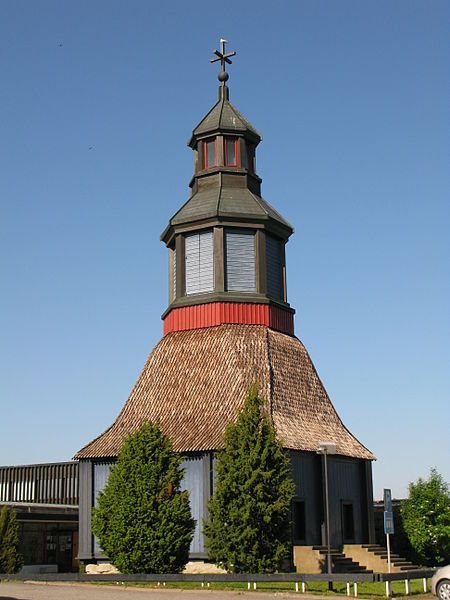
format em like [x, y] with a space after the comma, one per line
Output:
[224, 58]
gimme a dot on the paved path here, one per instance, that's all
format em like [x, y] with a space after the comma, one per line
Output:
[37, 591]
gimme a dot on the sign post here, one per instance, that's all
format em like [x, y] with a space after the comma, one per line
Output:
[388, 530]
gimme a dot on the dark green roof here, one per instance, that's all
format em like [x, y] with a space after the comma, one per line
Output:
[215, 196]
[226, 202]
[223, 116]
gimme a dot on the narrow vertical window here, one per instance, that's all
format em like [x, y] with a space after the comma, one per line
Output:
[173, 269]
[231, 151]
[274, 270]
[199, 256]
[240, 255]
[244, 157]
[101, 476]
[209, 153]
[251, 157]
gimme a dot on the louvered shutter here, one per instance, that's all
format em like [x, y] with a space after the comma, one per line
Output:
[240, 271]
[273, 261]
[199, 263]
[174, 281]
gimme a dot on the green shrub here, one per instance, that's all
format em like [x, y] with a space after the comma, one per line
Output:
[248, 529]
[143, 521]
[426, 520]
[11, 560]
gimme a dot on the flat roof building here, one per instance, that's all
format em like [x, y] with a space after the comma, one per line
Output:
[45, 499]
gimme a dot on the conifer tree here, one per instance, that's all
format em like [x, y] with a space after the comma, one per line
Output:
[248, 529]
[10, 559]
[143, 520]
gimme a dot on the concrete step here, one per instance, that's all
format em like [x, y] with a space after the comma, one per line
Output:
[396, 560]
[345, 560]
[345, 564]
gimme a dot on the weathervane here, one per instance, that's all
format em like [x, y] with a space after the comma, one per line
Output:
[224, 58]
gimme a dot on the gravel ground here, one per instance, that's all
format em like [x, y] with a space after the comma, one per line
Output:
[38, 591]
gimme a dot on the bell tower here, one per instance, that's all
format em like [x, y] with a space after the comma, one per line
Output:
[228, 325]
[226, 243]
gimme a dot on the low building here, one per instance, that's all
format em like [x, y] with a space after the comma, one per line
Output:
[45, 499]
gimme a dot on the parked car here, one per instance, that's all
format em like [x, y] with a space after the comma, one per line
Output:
[440, 583]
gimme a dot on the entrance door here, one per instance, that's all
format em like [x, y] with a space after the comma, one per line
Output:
[348, 523]
[299, 521]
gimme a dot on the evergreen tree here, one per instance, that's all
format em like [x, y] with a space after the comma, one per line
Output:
[143, 521]
[426, 520]
[10, 559]
[248, 530]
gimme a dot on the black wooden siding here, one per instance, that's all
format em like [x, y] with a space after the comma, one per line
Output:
[347, 483]
[51, 483]
[308, 488]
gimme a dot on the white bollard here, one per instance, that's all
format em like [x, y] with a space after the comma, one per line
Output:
[388, 589]
[254, 585]
[425, 584]
[348, 588]
[203, 584]
[208, 584]
[248, 585]
[355, 589]
[407, 587]
[303, 587]
[296, 586]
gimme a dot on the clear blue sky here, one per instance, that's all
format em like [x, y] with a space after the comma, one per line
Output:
[97, 101]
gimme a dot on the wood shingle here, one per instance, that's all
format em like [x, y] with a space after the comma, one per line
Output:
[194, 382]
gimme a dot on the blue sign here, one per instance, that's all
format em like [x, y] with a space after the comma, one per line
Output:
[388, 522]
[387, 500]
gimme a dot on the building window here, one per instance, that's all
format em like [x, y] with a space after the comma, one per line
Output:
[240, 255]
[274, 268]
[199, 257]
[250, 157]
[231, 151]
[209, 153]
[172, 274]
[101, 476]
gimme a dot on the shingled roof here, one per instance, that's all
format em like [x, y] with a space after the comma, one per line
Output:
[220, 201]
[223, 116]
[195, 382]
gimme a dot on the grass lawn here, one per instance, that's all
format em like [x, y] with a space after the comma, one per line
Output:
[365, 590]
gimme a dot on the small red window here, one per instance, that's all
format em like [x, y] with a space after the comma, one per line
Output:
[231, 151]
[209, 153]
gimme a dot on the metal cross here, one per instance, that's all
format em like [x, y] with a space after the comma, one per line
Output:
[224, 58]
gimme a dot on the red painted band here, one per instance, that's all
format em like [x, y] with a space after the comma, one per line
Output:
[216, 313]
